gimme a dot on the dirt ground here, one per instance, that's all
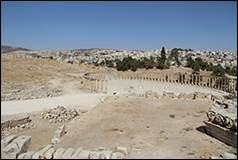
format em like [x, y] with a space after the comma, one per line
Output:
[149, 128]
[23, 77]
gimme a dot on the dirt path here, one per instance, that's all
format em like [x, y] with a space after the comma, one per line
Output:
[149, 128]
[84, 100]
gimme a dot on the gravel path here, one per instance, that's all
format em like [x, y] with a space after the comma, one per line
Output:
[89, 100]
[86, 100]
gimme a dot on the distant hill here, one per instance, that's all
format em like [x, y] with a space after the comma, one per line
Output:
[6, 49]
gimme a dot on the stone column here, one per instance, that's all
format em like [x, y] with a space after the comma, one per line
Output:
[106, 83]
[96, 85]
[100, 85]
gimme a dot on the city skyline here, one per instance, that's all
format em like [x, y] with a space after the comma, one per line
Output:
[120, 25]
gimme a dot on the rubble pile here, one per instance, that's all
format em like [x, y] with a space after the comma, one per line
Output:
[15, 147]
[59, 114]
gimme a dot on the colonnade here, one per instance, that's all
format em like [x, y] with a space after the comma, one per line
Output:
[220, 83]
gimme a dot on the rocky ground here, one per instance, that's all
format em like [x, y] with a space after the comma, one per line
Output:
[147, 127]
[25, 78]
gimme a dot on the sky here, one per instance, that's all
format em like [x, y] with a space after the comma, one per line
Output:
[120, 25]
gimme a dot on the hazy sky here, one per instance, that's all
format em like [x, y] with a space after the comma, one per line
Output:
[121, 25]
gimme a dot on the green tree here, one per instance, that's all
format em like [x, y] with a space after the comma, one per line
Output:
[228, 69]
[218, 70]
[109, 63]
[190, 62]
[175, 55]
[234, 71]
[163, 56]
[167, 64]
[102, 63]
[210, 67]
[196, 68]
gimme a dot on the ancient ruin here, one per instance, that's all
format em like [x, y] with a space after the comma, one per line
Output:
[15, 147]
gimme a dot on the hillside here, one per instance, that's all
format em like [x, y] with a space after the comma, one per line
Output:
[6, 49]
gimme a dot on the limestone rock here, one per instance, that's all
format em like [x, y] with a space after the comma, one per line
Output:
[49, 154]
[59, 114]
[94, 155]
[223, 116]
[76, 153]
[59, 153]
[84, 154]
[60, 131]
[7, 140]
[122, 150]
[68, 153]
[227, 155]
[40, 154]
[17, 146]
[27, 155]
[55, 140]
[105, 155]
[117, 155]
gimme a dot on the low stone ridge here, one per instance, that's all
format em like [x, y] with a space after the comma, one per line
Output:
[16, 147]
[59, 114]
[194, 95]
[30, 93]
[12, 121]
[15, 123]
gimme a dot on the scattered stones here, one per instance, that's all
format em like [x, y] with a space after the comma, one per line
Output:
[94, 155]
[59, 114]
[68, 153]
[32, 93]
[7, 140]
[16, 147]
[59, 153]
[225, 155]
[169, 94]
[76, 153]
[27, 155]
[151, 94]
[40, 154]
[117, 155]
[84, 154]
[49, 154]
[122, 150]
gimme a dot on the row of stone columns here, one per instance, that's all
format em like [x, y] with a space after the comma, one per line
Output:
[220, 83]
[98, 85]
[225, 84]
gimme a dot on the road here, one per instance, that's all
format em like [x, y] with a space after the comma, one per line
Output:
[84, 100]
